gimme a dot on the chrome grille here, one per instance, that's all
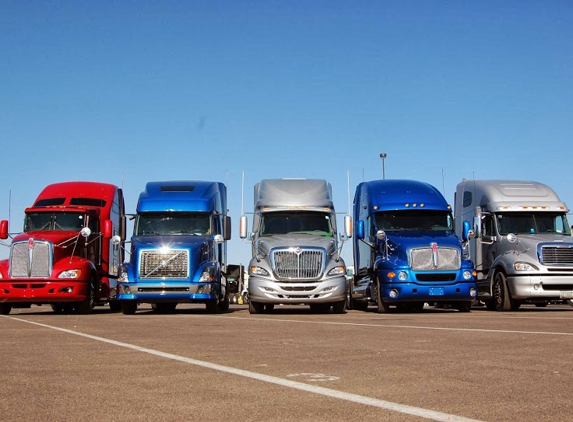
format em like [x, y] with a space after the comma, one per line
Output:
[298, 264]
[31, 263]
[164, 265]
[557, 255]
[422, 259]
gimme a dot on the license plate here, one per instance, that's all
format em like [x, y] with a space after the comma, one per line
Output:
[566, 295]
[436, 291]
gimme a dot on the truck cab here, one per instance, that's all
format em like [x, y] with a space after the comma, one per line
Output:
[295, 247]
[178, 248]
[64, 257]
[406, 253]
[523, 251]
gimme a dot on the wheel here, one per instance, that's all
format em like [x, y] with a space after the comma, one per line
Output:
[87, 305]
[5, 309]
[256, 308]
[349, 301]
[464, 306]
[359, 305]
[114, 306]
[224, 304]
[212, 306]
[128, 307]
[501, 296]
[381, 306]
[339, 307]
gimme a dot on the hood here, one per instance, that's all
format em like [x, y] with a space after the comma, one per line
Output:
[416, 239]
[265, 244]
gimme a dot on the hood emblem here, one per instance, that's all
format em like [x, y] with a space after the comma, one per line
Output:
[31, 243]
[298, 251]
[434, 246]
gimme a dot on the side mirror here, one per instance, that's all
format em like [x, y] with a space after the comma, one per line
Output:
[360, 229]
[477, 226]
[4, 229]
[107, 229]
[467, 232]
[227, 228]
[348, 226]
[243, 223]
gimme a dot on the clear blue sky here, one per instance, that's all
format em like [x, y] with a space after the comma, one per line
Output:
[132, 91]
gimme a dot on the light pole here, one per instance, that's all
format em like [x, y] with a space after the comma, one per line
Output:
[383, 156]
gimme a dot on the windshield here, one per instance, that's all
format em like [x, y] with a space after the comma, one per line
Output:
[414, 220]
[154, 223]
[36, 221]
[317, 223]
[532, 223]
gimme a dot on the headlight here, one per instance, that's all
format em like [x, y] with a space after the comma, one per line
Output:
[524, 266]
[123, 277]
[337, 270]
[467, 275]
[208, 275]
[258, 271]
[402, 275]
[70, 274]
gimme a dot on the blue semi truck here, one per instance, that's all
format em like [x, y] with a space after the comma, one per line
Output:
[178, 248]
[406, 252]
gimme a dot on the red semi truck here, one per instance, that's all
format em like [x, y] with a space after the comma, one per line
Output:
[65, 256]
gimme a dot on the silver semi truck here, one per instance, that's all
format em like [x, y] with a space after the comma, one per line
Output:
[523, 249]
[295, 247]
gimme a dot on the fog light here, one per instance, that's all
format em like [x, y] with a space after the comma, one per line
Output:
[268, 289]
[126, 290]
[393, 293]
[402, 275]
[200, 289]
[68, 289]
[536, 287]
[327, 289]
[473, 292]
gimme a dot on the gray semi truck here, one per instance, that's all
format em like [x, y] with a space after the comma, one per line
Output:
[295, 247]
[523, 250]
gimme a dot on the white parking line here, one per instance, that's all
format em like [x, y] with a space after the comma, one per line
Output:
[415, 327]
[340, 395]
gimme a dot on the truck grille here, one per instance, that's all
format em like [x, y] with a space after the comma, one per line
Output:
[31, 262]
[557, 255]
[164, 265]
[298, 264]
[422, 259]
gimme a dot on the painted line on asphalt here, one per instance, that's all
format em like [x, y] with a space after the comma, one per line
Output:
[413, 327]
[340, 395]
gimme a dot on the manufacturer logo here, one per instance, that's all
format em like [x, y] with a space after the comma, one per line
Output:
[434, 246]
[31, 243]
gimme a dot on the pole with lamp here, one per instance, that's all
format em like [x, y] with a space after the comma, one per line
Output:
[383, 156]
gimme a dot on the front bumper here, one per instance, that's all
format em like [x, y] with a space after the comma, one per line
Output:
[42, 291]
[414, 292]
[263, 290]
[168, 292]
[540, 287]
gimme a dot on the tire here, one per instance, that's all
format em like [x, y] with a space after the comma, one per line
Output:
[114, 306]
[5, 309]
[255, 307]
[224, 304]
[381, 306]
[360, 305]
[501, 296]
[212, 306]
[464, 306]
[87, 306]
[339, 307]
[128, 307]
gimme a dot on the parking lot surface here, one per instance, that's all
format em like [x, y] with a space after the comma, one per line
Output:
[288, 365]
